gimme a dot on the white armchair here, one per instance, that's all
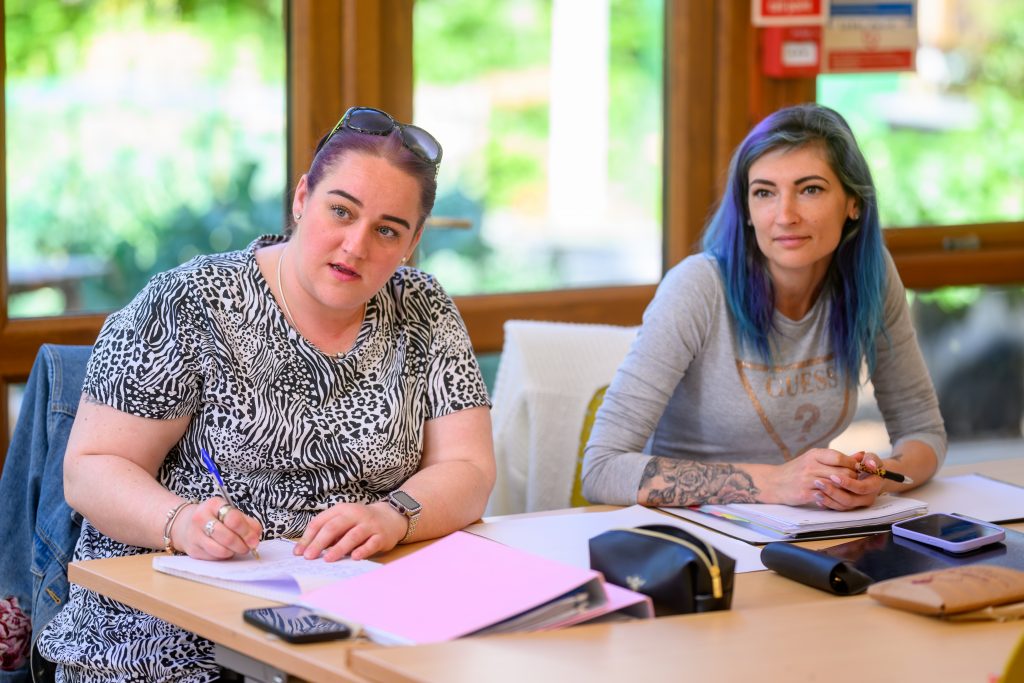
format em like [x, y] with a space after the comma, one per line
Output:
[547, 376]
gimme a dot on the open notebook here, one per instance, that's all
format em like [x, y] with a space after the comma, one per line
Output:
[762, 522]
[277, 575]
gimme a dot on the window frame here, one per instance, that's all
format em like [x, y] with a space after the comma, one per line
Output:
[342, 52]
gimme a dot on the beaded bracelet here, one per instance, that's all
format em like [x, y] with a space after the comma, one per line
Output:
[172, 515]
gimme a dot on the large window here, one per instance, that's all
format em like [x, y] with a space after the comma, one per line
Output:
[946, 147]
[945, 142]
[138, 135]
[553, 141]
[654, 167]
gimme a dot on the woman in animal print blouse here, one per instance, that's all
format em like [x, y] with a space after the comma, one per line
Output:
[335, 388]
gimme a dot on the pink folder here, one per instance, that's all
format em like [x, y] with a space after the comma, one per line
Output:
[463, 583]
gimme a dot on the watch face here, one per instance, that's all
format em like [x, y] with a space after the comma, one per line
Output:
[406, 501]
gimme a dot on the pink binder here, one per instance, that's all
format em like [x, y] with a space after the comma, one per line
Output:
[462, 584]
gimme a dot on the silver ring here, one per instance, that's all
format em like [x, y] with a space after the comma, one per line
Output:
[208, 527]
[223, 511]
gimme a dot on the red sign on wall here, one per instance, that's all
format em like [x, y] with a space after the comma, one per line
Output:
[790, 51]
[789, 12]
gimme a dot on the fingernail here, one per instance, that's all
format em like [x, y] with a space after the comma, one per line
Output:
[818, 497]
[835, 479]
[819, 485]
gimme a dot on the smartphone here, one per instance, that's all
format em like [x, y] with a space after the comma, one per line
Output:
[949, 532]
[296, 624]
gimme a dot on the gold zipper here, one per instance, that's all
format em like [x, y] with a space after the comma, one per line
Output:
[711, 563]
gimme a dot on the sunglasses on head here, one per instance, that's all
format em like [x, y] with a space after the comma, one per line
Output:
[376, 122]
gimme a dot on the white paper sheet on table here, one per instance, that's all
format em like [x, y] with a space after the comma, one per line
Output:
[565, 537]
[974, 495]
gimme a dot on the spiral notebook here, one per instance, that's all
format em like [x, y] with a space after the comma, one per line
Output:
[763, 523]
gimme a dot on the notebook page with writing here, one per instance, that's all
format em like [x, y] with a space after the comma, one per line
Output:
[278, 574]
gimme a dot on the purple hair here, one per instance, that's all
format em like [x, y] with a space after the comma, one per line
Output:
[855, 279]
[332, 148]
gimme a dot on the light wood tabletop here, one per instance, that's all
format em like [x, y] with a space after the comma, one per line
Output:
[776, 630]
[834, 639]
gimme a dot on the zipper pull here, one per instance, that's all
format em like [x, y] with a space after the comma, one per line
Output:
[716, 581]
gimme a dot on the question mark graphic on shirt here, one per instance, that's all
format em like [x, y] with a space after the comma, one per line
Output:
[814, 414]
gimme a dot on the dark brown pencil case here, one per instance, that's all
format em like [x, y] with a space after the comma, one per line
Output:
[814, 569]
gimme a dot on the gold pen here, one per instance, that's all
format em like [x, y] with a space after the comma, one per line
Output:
[886, 474]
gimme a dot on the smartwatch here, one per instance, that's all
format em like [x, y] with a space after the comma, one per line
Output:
[408, 506]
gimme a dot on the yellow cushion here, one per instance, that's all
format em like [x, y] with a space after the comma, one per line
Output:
[577, 499]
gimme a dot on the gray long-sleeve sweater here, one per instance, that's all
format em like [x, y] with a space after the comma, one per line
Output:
[687, 390]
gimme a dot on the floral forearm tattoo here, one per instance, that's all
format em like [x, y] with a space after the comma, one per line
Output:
[671, 482]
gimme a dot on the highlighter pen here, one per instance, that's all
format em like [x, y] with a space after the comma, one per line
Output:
[886, 474]
[212, 467]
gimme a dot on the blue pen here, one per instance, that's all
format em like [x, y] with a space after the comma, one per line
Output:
[212, 467]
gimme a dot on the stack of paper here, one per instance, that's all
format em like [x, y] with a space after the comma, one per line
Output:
[795, 521]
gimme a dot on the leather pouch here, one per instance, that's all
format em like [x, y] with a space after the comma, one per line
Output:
[952, 591]
[814, 569]
[679, 571]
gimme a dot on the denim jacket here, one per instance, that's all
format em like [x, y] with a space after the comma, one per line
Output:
[38, 530]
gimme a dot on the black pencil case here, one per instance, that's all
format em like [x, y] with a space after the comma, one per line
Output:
[679, 571]
[814, 569]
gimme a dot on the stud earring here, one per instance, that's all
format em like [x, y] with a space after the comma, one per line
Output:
[404, 260]
[297, 217]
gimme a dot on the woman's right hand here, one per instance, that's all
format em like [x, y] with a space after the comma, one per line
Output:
[236, 535]
[826, 478]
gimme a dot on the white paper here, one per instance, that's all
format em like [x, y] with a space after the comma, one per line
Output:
[974, 495]
[565, 537]
[277, 575]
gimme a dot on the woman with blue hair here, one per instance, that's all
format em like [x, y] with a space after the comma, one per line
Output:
[750, 354]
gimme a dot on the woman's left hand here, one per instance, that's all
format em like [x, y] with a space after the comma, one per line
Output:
[352, 529]
[850, 489]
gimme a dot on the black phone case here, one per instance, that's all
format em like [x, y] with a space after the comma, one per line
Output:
[263, 618]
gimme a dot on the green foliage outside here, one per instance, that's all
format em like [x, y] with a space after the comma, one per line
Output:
[972, 172]
[139, 135]
[469, 41]
[142, 173]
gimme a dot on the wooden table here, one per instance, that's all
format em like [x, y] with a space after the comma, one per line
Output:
[777, 630]
[831, 639]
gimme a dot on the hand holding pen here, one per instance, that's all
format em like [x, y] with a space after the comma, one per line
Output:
[884, 473]
[210, 528]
